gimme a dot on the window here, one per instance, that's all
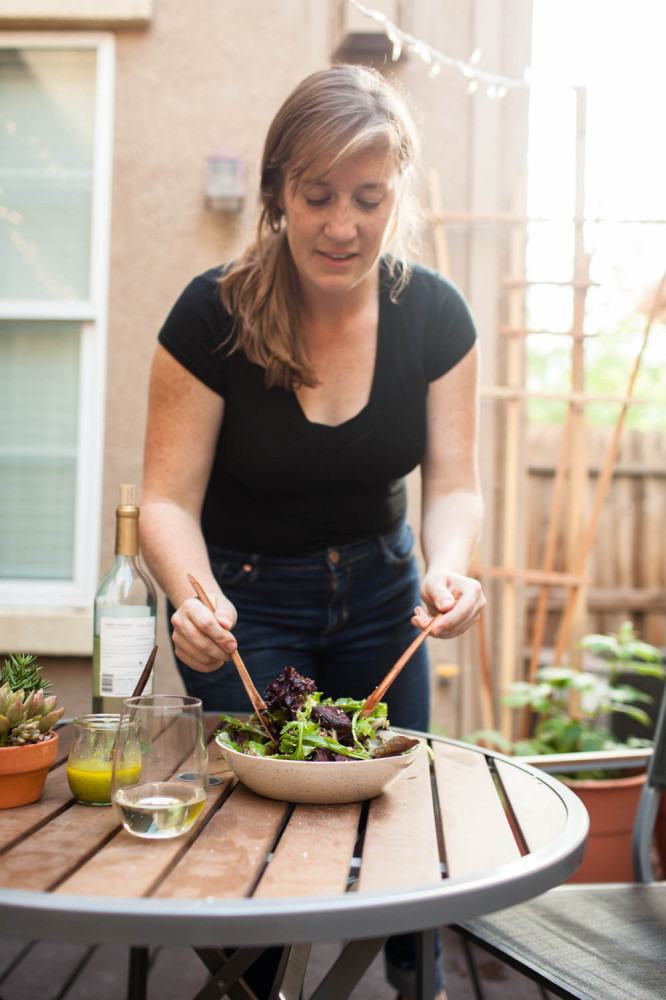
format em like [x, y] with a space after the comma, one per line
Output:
[56, 94]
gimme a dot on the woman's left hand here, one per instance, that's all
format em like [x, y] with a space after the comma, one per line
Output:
[459, 599]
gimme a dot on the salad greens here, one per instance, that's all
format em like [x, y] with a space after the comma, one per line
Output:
[306, 726]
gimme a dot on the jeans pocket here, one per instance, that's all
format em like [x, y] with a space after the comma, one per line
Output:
[397, 547]
[232, 572]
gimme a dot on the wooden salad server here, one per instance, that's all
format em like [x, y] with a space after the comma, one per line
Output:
[258, 703]
[373, 699]
[145, 673]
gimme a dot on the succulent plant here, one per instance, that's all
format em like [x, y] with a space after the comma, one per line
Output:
[22, 672]
[27, 714]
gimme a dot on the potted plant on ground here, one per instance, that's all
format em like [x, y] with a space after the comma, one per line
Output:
[571, 711]
[28, 741]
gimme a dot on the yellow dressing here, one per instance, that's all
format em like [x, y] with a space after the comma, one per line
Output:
[90, 780]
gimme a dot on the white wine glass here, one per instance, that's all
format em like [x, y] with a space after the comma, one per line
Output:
[168, 794]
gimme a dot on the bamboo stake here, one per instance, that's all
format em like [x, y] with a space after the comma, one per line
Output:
[603, 482]
[443, 261]
[579, 284]
[510, 219]
[509, 392]
[512, 331]
[487, 704]
[538, 576]
[442, 257]
[515, 376]
[550, 546]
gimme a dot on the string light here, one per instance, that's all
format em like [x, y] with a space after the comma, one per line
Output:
[496, 86]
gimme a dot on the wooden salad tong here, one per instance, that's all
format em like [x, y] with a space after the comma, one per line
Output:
[373, 699]
[258, 703]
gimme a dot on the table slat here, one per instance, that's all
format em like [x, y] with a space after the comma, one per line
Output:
[17, 823]
[228, 856]
[540, 814]
[400, 846]
[477, 835]
[314, 854]
[129, 866]
[52, 852]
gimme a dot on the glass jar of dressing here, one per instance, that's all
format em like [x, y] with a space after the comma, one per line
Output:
[90, 760]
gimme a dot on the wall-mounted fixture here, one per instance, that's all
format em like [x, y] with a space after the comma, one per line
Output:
[225, 182]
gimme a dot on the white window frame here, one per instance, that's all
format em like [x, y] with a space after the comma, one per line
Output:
[92, 314]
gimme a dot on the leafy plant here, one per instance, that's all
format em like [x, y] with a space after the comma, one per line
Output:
[27, 714]
[22, 672]
[572, 708]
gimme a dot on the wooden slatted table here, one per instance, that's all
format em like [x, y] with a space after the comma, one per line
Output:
[466, 834]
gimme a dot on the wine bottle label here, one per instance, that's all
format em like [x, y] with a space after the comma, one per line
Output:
[125, 644]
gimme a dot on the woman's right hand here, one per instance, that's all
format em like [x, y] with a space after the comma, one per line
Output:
[203, 640]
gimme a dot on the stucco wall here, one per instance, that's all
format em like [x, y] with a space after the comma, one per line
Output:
[204, 75]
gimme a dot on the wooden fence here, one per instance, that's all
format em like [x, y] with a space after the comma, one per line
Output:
[627, 566]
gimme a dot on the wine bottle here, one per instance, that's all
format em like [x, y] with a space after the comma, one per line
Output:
[125, 615]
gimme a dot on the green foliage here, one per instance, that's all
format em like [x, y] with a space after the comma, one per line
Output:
[27, 714]
[22, 672]
[609, 357]
[571, 708]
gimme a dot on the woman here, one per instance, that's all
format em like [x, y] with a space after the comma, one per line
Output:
[291, 392]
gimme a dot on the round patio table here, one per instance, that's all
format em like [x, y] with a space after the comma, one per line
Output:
[460, 833]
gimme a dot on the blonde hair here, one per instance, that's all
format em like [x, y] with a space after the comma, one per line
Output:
[330, 115]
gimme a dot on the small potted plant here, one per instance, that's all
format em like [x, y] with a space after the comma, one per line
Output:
[571, 712]
[28, 741]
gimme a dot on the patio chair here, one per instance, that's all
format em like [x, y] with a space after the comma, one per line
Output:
[591, 941]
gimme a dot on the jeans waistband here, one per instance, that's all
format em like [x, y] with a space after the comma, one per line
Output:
[336, 554]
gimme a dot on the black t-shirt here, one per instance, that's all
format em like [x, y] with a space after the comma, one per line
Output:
[282, 485]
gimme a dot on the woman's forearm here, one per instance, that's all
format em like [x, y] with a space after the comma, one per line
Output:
[450, 530]
[173, 546]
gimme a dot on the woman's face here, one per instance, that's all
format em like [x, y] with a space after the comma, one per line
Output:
[337, 221]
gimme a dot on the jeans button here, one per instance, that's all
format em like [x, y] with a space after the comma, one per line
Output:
[334, 556]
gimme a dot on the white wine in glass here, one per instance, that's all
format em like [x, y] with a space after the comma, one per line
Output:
[169, 793]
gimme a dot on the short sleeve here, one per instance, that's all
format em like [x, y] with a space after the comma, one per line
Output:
[449, 331]
[197, 330]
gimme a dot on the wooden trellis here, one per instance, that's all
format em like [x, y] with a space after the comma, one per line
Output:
[571, 475]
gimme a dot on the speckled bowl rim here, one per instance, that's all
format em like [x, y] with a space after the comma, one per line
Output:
[412, 752]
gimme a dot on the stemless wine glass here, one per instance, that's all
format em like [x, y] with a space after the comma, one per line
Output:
[168, 795]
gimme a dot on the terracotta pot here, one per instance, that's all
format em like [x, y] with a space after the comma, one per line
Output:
[660, 835]
[23, 771]
[612, 805]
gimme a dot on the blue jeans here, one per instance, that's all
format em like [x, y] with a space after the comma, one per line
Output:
[340, 616]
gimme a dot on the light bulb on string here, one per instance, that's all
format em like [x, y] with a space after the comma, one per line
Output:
[394, 39]
[472, 86]
[496, 85]
[423, 52]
